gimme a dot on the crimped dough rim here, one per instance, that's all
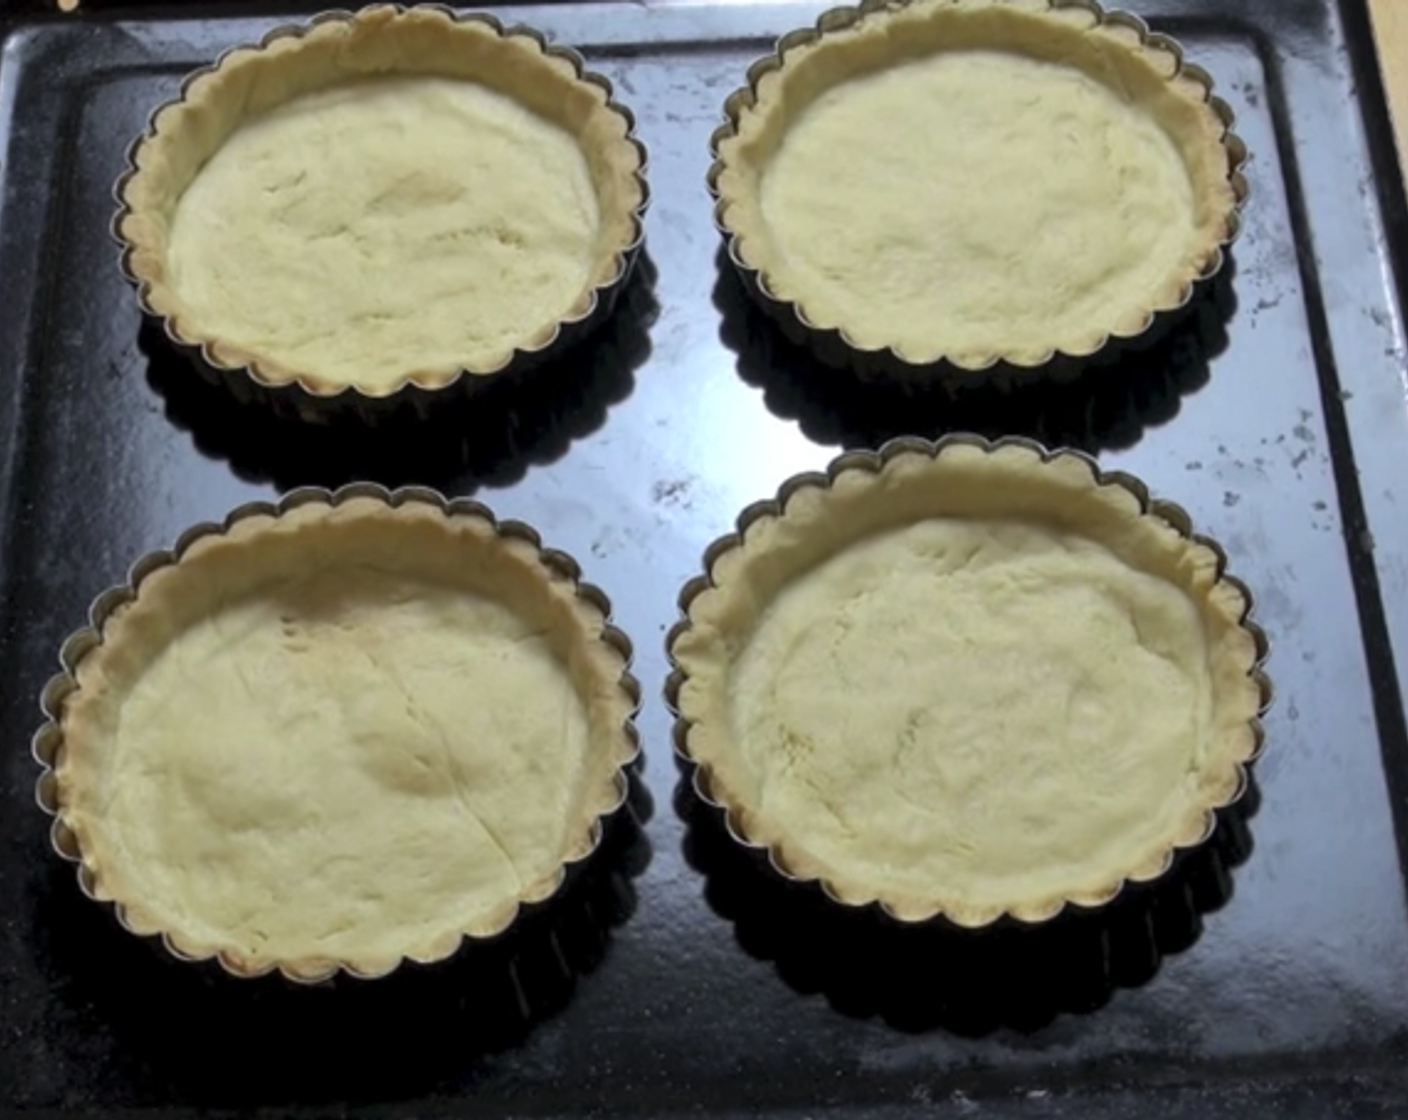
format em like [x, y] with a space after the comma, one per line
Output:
[67, 741]
[733, 180]
[807, 522]
[522, 65]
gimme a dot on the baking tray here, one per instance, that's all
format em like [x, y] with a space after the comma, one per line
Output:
[1272, 973]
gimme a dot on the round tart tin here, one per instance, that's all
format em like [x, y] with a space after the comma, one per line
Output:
[607, 649]
[377, 44]
[863, 496]
[736, 186]
[1104, 404]
[969, 982]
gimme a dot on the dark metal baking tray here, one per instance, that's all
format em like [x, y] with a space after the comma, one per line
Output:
[1270, 974]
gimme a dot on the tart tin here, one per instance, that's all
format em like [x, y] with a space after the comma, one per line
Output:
[391, 1040]
[490, 437]
[1107, 404]
[48, 742]
[968, 982]
[834, 347]
[697, 773]
[248, 382]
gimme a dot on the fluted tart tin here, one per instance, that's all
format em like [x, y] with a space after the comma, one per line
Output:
[384, 206]
[975, 190]
[339, 732]
[967, 681]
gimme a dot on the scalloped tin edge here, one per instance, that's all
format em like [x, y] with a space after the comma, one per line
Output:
[872, 462]
[47, 741]
[247, 383]
[833, 345]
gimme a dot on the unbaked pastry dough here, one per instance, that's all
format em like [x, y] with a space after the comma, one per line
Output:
[387, 226]
[385, 198]
[972, 685]
[342, 736]
[977, 180]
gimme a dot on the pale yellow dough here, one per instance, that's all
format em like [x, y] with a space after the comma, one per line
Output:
[969, 683]
[993, 709]
[342, 738]
[975, 181]
[384, 227]
[353, 747]
[996, 202]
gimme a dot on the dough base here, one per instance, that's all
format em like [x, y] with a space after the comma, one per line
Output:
[343, 737]
[994, 201]
[387, 226]
[1049, 719]
[975, 181]
[969, 683]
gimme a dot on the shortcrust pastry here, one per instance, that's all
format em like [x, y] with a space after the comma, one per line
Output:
[977, 180]
[971, 684]
[391, 197]
[341, 737]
